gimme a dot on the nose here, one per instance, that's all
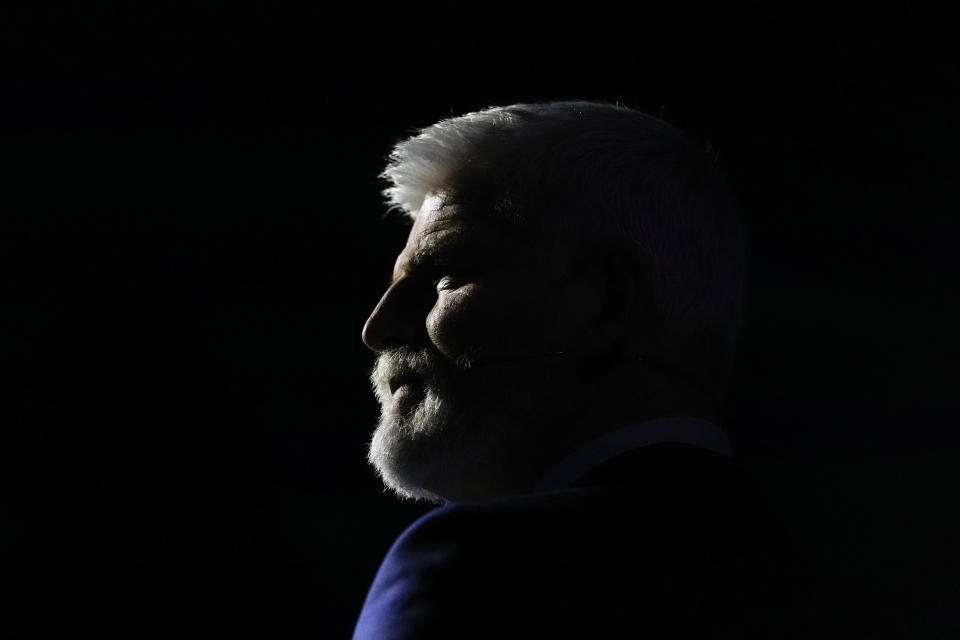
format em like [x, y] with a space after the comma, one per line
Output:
[396, 321]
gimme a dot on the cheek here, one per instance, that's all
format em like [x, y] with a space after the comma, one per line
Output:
[461, 321]
[473, 319]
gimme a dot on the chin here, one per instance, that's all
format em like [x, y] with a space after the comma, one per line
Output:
[407, 449]
[448, 446]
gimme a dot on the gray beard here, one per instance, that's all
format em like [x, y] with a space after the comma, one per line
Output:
[406, 449]
[447, 445]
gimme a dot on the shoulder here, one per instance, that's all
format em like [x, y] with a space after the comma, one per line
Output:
[455, 538]
[471, 520]
[459, 569]
[671, 548]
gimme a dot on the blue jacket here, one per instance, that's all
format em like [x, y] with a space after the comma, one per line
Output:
[665, 541]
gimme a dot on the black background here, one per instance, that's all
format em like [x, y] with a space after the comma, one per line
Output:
[193, 236]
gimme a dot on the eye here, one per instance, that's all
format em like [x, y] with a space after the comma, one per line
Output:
[451, 279]
[446, 282]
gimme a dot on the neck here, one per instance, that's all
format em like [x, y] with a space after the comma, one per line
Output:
[623, 394]
[631, 393]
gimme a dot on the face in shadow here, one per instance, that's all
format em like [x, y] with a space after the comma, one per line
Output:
[464, 336]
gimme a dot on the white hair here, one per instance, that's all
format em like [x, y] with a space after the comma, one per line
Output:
[587, 174]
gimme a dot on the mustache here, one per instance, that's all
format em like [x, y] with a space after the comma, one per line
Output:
[431, 367]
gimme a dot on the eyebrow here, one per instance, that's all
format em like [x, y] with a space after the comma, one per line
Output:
[438, 248]
[431, 253]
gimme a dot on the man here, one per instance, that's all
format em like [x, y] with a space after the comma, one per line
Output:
[553, 351]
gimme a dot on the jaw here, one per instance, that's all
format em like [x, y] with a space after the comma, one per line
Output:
[462, 447]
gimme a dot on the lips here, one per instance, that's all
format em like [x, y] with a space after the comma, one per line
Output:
[398, 381]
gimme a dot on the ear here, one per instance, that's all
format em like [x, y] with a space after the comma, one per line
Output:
[624, 318]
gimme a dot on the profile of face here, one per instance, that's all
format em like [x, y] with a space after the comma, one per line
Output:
[464, 374]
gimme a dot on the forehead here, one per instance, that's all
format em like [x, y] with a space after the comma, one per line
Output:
[435, 216]
[451, 231]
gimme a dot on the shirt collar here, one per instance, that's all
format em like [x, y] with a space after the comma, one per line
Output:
[677, 429]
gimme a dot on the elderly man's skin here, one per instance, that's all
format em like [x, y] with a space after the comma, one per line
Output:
[467, 286]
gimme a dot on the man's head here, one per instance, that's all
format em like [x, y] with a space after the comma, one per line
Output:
[571, 266]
